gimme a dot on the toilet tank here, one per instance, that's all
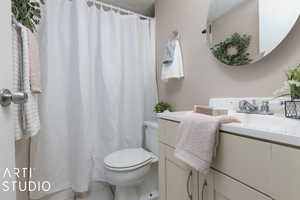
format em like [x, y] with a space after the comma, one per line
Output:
[151, 137]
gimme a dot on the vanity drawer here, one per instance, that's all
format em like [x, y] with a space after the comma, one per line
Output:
[168, 132]
[226, 188]
[246, 160]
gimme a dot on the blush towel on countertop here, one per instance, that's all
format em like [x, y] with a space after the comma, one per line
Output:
[198, 139]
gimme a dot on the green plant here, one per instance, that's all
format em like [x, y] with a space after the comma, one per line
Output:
[293, 77]
[240, 44]
[291, 85]
[162, 107]
[27, 12]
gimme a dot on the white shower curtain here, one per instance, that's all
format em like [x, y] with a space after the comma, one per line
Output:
[99, 86]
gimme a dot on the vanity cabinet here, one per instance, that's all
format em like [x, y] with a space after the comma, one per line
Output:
[242, 164]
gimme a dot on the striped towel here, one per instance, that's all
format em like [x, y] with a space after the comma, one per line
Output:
[27, 121]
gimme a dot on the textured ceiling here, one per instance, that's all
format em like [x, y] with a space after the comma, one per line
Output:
[145, 7]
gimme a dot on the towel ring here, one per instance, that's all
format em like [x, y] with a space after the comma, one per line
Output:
[174, 35]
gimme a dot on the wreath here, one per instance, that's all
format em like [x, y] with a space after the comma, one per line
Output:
[237, 43]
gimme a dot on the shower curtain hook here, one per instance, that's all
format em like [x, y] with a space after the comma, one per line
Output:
[98, 4]
[90, 3]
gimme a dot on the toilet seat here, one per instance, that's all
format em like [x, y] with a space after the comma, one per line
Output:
[128, 159]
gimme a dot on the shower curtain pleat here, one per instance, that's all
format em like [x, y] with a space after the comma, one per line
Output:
[99, 86]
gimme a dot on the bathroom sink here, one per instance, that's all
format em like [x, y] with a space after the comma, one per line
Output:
[271, 128]
[266, 123]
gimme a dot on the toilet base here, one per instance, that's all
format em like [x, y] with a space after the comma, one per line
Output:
[126, 193]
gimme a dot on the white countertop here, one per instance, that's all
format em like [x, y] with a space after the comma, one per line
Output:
[271, 128]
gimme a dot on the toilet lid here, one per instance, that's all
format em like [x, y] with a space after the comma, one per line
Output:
[127, 158]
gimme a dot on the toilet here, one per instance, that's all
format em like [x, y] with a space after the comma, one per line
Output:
[127, 168]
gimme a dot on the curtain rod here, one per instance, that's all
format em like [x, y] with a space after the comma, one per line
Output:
[121, 9]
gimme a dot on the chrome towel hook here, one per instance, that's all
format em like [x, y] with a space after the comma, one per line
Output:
[6, 97]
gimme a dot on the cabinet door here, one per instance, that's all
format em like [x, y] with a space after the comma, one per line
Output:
[285, 173]
[226, 188]
[177, 180]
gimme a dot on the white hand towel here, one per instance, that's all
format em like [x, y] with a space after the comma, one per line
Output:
[198, 140]
[169, 52]
[31, 114]
[174, 69]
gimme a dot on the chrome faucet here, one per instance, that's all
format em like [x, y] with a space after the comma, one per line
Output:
[265, 108]
[247, 107]
[251, 108]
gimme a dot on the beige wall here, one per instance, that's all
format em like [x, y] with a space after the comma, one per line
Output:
[204, 76]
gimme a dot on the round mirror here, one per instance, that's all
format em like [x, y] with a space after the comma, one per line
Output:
[241, 32]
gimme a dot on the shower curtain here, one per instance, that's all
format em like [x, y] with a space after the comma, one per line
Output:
[98, 75]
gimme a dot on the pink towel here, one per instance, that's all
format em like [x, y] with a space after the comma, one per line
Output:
[198, 139]
[34, 63]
